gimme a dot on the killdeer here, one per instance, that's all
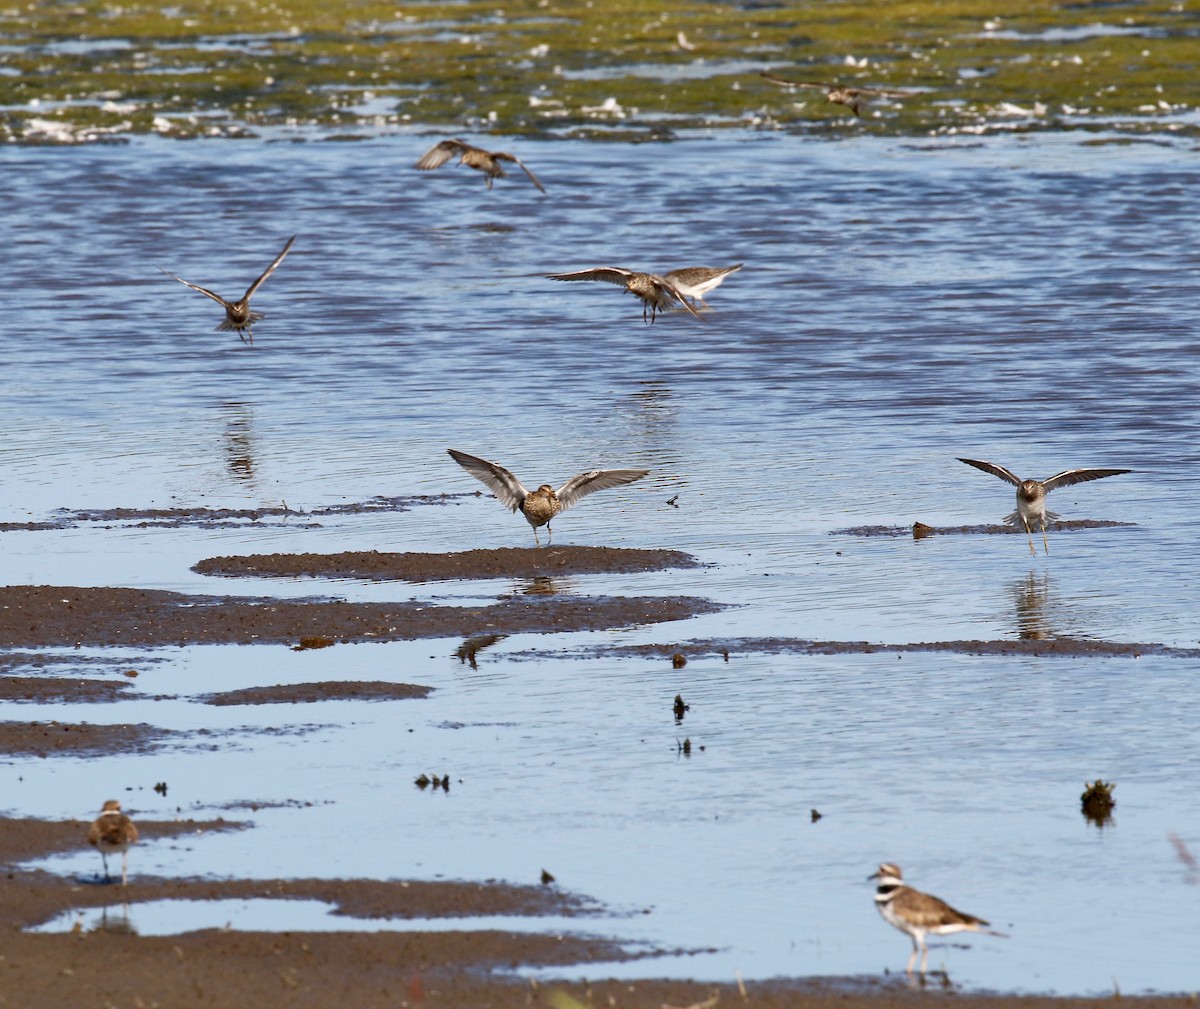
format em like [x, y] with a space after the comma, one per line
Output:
[1031, 494]
[696, 281]
[852, 97]
[473, 157]
[238, 316]
[541, 505]
[918, 914]
[657, 293]
[111, 832]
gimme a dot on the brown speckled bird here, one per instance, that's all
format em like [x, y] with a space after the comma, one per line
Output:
[238, 316]
[918, 914]
[657, 293]
[1031, 510]
[541, 505]
[111, 832]
[473, 157]
[852, 97]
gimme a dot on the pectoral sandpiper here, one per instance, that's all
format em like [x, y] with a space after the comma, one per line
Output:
[854, 98]
[473, 157]
[541, 505]
[657, 293]
[238, 316]
[1031, 510]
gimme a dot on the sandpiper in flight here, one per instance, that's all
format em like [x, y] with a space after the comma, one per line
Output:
[473, 157]
[1031, 494]
[918, 914]
[541, 505]
[657, 293]
[696, 281]
[852, 97]
[111, 832]
[238, 316]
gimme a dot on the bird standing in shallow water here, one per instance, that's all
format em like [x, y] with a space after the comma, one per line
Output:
[696, 281]
[111, 832]
[852, 97]
[473, 157]
[918, 914]
[541, 505]
[657, 293]
[238, 316]
[1031, 494]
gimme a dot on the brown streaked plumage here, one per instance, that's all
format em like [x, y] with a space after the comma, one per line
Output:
[541, 505]
[487, 162]
[1031, 510]
[111, 832]
[238, 316]
[841, 94]
[918, 914]
[696, 281]
[657, 293]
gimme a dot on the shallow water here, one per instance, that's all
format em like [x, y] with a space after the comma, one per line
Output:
[1024, 300]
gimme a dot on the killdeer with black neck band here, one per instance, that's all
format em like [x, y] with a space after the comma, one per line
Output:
[918, 914]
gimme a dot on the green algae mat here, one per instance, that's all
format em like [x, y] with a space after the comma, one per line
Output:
[74, 72]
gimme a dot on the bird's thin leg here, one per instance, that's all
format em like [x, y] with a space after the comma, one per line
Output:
[124, 867]
[549, 534]
[924, 957]
[489, 182]
[1045, 542]
[1029, 533]
[535, 537]
[104, 862]
[912, 959]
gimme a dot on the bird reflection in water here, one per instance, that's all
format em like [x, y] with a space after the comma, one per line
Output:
[115, 921]
[1031, 594]
[476, 643]
[238, 441]
[542, 585]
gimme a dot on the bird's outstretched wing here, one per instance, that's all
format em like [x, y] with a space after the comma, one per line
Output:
[269, 270]
[196, 287]
[995, 470]
[881, 92]
[442, 152]
[581, 486]
[497, 479]
[1070, 476]
[610, 274]
[673, 294]
[500, 155]
[784, 82]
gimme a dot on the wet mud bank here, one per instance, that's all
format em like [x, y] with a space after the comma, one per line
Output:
[507, 562]
[725, 648]
[458, 969]
[920, 530]
[41, 616]
[112, 964]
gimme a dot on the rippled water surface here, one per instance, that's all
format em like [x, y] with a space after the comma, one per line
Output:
[1026, 300]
